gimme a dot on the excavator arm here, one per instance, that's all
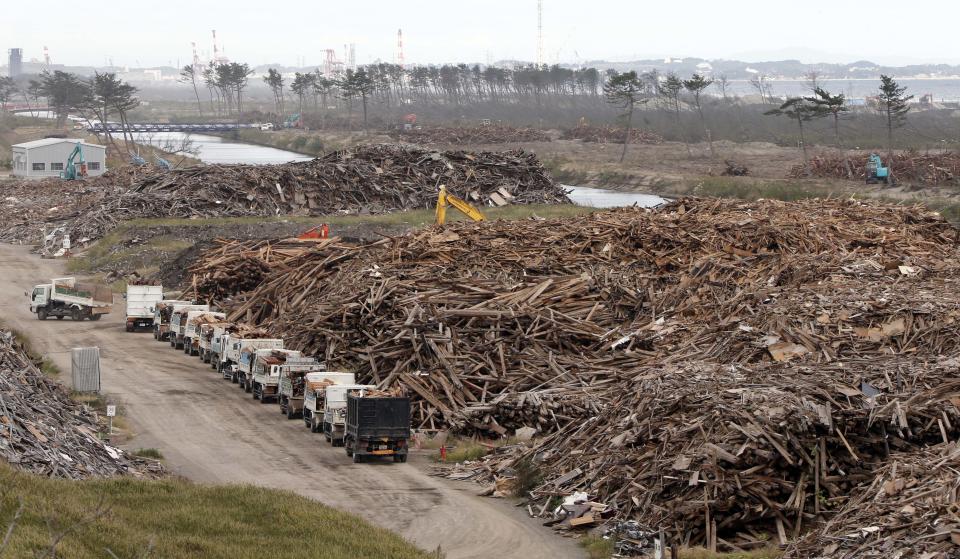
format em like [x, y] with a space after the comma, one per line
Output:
[446, 199]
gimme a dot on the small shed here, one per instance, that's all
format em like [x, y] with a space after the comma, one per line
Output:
[48, 157]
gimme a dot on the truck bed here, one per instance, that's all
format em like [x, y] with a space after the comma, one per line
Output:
[376, 417]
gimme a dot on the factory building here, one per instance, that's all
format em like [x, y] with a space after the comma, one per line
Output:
[48, 157]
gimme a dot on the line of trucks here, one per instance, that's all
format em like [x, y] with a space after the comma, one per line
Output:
[365, 421]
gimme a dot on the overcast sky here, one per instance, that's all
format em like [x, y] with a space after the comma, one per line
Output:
[434, 31]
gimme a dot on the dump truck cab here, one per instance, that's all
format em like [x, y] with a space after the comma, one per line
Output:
[191, 331]
[262, 377]
[161, 317]
[239, 352]
[315, 396]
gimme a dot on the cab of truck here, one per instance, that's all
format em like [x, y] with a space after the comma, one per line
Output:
[335, 409]
[39, 297]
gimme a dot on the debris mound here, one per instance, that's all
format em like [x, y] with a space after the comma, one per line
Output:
[471, 135]
[939, 168]
[909, 509]
[734, 169]
[366, 179]
[611, 135]
[718, 368]
[44, 432]
[234, 266]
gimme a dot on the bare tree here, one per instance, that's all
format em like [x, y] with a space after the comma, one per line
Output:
[189, 74]
[722, 83]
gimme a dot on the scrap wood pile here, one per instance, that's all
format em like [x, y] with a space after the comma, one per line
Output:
[43, 431]
[365, 179]
[471, 135]
[910, 509]
[611, 135]
[31, 207]
[234, 266]
[721, 455]
[932, 168]
[707, 367]
[496, 310]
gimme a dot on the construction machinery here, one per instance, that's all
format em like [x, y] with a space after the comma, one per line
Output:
[72, 171]
[876, 172]
[446, 199]
[321, 231]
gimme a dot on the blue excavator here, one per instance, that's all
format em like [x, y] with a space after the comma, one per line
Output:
[73, 171]
[876, 172]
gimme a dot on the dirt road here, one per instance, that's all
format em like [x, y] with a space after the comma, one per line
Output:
[210, 431]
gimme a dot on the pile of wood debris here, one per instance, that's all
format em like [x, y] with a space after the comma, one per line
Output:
[933, 168]
[366, 179]
[474, 135]
[611, 135]
[719, 369]
[44, 432]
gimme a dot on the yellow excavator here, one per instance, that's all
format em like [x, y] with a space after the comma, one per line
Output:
[446, 199]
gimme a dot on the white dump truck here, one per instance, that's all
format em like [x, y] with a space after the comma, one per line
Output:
[259, 373]
[207, 330]
[218, 343]
[292, 383]
[178, 323]
[315, 395]
[162, 313]
[191, 331]
[335, 409]
[236, 348]
[68, 297]
[142, 302]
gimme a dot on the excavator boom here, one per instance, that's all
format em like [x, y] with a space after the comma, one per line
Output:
[446, 199]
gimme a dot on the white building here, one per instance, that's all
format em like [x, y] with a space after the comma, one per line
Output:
[48, 157]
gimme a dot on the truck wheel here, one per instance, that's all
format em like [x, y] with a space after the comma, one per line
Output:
[246, 386]
[75, 315]
[96, 317]
[357, 458]
[256, 394]
[290, 413]
[59, 317]
[42, 314]
[348, 447]
[400, 458]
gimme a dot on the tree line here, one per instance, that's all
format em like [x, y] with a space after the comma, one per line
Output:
[101, 98]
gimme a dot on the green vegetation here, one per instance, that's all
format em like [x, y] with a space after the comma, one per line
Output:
[597, 547]
[730, 187]
[175, 518]
[114, 249]
[151, 453]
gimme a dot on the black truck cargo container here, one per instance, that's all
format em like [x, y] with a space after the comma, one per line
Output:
[377, 426]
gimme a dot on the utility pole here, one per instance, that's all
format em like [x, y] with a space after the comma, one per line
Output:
[539, 32]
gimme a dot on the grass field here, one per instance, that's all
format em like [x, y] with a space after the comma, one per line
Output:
[172, 518]
[168, 236]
